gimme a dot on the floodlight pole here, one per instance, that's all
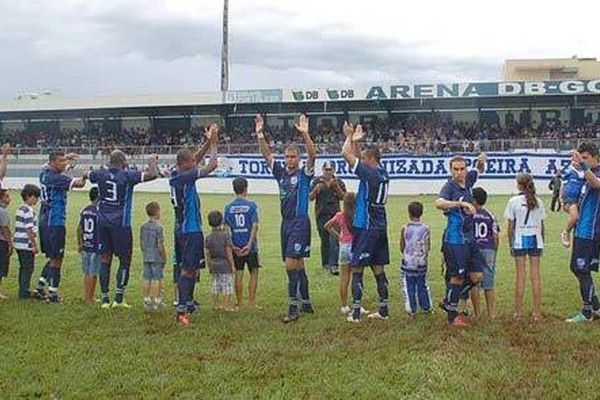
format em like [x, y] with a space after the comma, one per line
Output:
[225, 48]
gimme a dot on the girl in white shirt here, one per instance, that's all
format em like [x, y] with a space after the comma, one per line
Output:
[525, 226]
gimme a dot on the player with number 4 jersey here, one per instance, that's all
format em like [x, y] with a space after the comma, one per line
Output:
[115, 203]
[370, 243]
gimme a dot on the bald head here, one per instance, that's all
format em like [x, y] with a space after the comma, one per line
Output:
[118, 159]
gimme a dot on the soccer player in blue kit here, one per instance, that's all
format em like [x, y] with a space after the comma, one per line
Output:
[370, 247]
[294, 190]
[54, 185]
[460, 252]
[177, 245]
[115, 203]
[586, 244]
[184, 197]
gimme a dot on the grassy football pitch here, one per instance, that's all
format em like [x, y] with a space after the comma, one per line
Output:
[78, 351]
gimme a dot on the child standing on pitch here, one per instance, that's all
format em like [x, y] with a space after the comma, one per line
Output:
[6, 246]
[487, 240]
[152, 242]
[570, 197]
[87, 238]
[340, 227]
[218, 250]
[414, 245]
[25, 239]
[525, 219]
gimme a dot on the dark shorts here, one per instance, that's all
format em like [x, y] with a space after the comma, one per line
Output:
[117, 240]
[527, 252]
[251, 260]
[584, 257]
[461, 259]
[295, 238]
[369, 248]
[177, 246]
[52, 240]
[192, 251]
[4, 259]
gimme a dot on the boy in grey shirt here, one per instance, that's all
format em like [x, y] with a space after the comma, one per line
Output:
[218, 251]
[152, 242]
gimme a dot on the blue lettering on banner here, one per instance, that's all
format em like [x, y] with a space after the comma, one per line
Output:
[499, 165]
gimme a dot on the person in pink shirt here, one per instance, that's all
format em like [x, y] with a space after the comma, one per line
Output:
[340, 227]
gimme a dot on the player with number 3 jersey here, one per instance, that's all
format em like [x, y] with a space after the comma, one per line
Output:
[115, 203]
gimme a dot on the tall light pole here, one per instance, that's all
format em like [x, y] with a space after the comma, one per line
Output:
[225, 49]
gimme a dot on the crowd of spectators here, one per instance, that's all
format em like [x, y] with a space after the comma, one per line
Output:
[417, 134]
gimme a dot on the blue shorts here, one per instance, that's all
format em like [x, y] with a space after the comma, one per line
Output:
[535, 252]
[345, 255]
[52, 240]
[90, 263]
[584, 257]
[295, 237]
[154, 271]
[192, 251]
[462, 259]
[489, 270]
[117, 240]
[369, 248]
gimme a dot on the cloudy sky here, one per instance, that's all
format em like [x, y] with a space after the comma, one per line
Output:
[96, 47]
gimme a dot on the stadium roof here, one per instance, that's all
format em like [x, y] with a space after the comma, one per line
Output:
[476, 95]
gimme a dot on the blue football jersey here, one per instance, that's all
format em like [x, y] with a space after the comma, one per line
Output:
[54, 187]
[240, 216]
[116, 195]
[88, 222]
[459, 227]
[371, 197]
[588, 224]
[294, 189]
[185, 200]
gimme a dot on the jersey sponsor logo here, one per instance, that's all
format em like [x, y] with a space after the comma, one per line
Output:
[294, 180]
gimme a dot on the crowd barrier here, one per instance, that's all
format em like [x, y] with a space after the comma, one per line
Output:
[409, 175]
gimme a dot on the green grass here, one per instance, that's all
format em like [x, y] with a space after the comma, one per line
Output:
[77, 351]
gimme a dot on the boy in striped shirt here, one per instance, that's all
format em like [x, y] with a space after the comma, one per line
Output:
[25, 238]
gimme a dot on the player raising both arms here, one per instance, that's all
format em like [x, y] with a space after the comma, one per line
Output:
[188, 218]
[294, 190]
[114, 219]
[370, 242]
[54, 185]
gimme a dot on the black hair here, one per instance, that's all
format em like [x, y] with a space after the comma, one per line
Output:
[54, 154]
[215, 218]
[588, 147]
[94, 193]
[30, 190]
[240, 185]
[183, 155]
[3, 192]
[152, 209]
[480, 196]
[373, 151]
[415, 209]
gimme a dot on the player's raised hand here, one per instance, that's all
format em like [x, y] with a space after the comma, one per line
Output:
[213, 132]
[71, 156]
[6, 150]
[348, 129]
[302, 125]
[482, 158]
[359, 133]
[259, 124]
[576, 159]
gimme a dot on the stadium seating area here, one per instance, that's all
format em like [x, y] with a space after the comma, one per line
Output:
[413, 135]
